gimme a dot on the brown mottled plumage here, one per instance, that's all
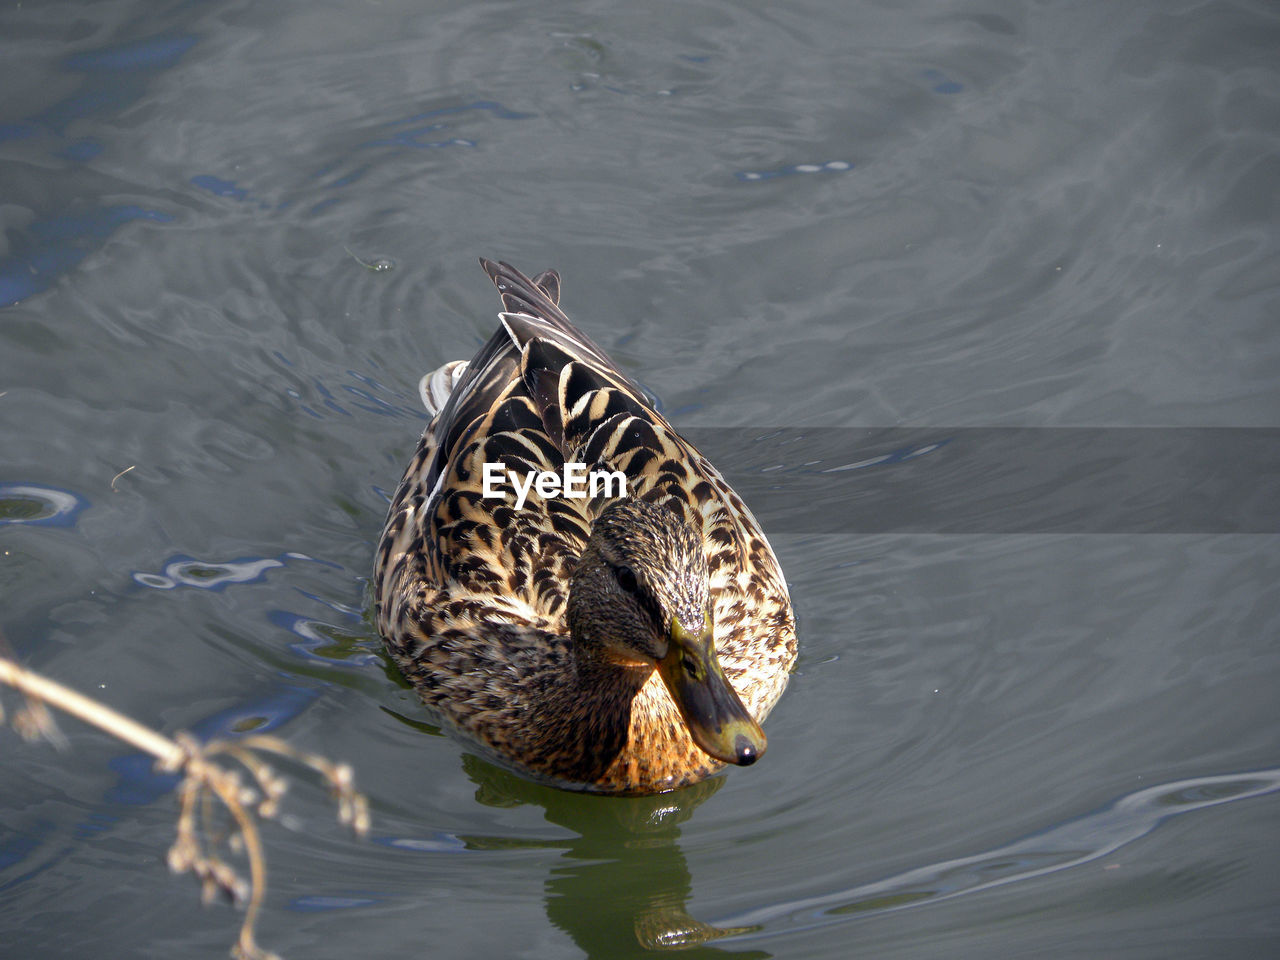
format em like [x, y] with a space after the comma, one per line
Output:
[535, 632]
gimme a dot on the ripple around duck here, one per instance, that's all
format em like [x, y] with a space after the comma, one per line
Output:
[327, 643]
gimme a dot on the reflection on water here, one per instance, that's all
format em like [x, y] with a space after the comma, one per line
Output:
[410, 131]
[115, 78]
[1070, 844]
[31, 503]
[53, 246]
[325, 642]
[623, 882]
[621, 885]
[830, 166]
[214, 575]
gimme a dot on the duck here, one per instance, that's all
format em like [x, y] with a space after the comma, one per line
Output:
[620, 638]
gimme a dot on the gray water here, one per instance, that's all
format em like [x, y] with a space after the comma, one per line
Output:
[1055, 738]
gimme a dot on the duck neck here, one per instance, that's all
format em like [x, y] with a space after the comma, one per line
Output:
[601, 678]
[595, 724]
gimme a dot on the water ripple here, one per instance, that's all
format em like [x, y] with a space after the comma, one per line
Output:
[1070, 844]
[322, 642]
[184, 571]
[53, 246]
[831, 166]
[30, 503]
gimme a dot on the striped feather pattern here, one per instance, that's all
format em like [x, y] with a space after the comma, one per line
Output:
[471, 592]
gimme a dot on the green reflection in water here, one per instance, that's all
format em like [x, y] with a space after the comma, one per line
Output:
[24, 508]
[621, 887]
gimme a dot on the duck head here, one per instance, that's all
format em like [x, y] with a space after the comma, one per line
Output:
[639, 597]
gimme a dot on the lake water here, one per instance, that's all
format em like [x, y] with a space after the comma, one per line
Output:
[1018, 266]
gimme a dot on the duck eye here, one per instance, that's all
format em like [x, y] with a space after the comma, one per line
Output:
[626, 579]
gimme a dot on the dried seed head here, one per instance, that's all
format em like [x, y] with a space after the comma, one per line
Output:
[181, 856]
[343, 777]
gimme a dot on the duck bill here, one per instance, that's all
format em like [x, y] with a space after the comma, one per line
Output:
[716, 717]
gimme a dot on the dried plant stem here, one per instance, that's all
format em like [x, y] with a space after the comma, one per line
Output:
[167, 751]
[203, 781]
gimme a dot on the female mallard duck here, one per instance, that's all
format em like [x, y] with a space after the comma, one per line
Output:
[624, 645]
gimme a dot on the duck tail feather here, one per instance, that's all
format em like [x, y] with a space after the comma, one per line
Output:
[435, 387]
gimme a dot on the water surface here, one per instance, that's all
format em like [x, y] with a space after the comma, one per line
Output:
[235, 235]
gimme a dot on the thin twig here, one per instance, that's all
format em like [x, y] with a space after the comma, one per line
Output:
[195, 848]
[90, 711]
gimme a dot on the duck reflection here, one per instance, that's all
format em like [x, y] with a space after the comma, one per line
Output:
[623, 884]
